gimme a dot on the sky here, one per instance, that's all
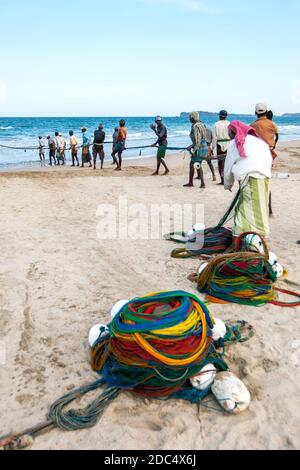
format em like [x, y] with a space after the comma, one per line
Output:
[147, 57]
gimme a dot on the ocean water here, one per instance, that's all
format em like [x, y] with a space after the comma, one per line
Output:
[24, 132]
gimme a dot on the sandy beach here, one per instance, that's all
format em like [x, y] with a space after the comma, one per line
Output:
[57, 279]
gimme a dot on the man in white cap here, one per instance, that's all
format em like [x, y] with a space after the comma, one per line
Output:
[267, 131]
[265, 128]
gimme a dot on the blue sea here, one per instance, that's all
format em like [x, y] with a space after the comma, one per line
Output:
[24, 132]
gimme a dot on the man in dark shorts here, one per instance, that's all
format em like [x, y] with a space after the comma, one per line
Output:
[162, 142]
[52, 150]
[98, 149]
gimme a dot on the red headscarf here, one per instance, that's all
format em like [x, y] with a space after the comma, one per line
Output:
[241, 131]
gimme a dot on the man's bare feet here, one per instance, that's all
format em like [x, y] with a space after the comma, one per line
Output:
[214, 178]
[166, 172]
[202, 186]
[189, 185]
[155, 174]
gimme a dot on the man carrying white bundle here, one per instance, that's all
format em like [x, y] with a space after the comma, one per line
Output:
[249, 162]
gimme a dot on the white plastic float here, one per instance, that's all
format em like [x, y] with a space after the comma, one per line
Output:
[231, 393]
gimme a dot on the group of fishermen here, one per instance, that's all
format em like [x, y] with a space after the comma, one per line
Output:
[245, 154]
[57, 147]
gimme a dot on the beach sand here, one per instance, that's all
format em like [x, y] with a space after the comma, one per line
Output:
[57, 279]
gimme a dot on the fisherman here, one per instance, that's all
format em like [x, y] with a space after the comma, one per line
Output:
[56, 147]
[42, 150]
[162, 133]
[268, 131]
[221, 142]
[199, 149]
[86, 155]
[61, 149]
[120, 145]
[98, 149]
[265, 128]
[74, 148]
[209, 140]
[270, 116]
[52, 150]
[115, 139]
[249, 162]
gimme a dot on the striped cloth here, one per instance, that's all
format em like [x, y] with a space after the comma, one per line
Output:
[252, 210]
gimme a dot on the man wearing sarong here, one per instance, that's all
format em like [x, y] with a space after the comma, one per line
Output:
[249, 162]
[52, 150]
[98, 149]
[221, 142]
[268, 131]
[74, 148]
[162, 141]
[61, 149]
[120, 145]
[114, 139]
[42, 150]
[86, 155]
[199, 149]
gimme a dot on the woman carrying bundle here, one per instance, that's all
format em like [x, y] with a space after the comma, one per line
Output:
[249, 162]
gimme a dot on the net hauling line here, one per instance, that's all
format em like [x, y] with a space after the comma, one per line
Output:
[140, 147]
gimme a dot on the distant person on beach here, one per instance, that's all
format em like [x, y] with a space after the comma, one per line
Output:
[61, 149]
[265, 128]
[198, 148]
[74, 148]
[115, 139]
[249, 162]
[86, 155]
[98, 149]
[42, 146]
[162, 133]
[209, 140]
[221, 142]
[270, 116]
[52, 150]
[120, 145]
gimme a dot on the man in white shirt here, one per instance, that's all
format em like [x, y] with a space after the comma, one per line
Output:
[42, 146]
[221, 142]
[249, 162]
[61, 148]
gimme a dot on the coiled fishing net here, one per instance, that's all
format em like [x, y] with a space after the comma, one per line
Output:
[156, 343]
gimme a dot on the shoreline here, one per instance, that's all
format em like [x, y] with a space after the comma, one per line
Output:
[286, 149]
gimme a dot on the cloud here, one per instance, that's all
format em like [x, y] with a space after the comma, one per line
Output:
[2, 92]
[191, 5]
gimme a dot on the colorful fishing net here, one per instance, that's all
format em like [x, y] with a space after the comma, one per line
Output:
[156, 343]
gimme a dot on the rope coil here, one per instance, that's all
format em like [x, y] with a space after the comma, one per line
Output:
[156, 343]
[245, 278]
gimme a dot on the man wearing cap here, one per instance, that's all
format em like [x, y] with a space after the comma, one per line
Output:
[98, 149]
[221, 141]
[162, 141]
[265, 128]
